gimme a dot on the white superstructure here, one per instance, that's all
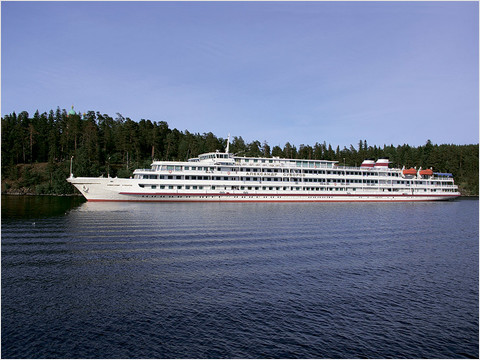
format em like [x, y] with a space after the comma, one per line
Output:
[221, 176]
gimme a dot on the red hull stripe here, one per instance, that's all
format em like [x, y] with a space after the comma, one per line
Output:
[285, 195]
[256, 200]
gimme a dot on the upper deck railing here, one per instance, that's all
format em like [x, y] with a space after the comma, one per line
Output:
[258, 164]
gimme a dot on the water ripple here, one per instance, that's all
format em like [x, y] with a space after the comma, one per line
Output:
[243, 281]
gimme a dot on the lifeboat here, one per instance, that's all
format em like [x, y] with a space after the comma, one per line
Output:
[410, 171]
[426, 172]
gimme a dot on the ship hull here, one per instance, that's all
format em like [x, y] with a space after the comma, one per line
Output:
[126, 190]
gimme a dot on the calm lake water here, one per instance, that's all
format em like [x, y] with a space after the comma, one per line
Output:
[260, 280]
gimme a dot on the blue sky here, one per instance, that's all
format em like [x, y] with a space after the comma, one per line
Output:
[303, 72]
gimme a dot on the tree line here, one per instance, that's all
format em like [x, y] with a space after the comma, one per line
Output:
[101, 144]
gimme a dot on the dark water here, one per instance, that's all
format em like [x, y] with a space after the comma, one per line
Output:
[94, 280]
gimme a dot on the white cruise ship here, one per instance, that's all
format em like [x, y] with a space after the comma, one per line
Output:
[221, 176]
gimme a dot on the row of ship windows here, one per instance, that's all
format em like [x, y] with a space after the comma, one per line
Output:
[199, 187]
[297, 188]
[231, 178]
[308, 164]
[260, 170]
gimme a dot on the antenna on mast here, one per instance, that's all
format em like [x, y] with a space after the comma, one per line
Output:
[228, 144]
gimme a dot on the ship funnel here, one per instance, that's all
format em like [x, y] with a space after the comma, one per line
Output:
[367, 163]
[382, 163]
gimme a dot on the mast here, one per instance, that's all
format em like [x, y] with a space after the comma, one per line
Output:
[71, 165]
[228, 144]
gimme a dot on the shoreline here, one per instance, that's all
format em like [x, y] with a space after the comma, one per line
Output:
[32, 194]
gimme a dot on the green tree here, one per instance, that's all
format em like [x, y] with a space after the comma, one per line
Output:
[238, 146]
[277, 151]
[253, 149]
[98, 141]
[266, 149]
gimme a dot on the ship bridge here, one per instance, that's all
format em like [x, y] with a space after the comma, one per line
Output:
[215, 158]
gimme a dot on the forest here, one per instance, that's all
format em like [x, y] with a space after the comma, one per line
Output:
[36, 150]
